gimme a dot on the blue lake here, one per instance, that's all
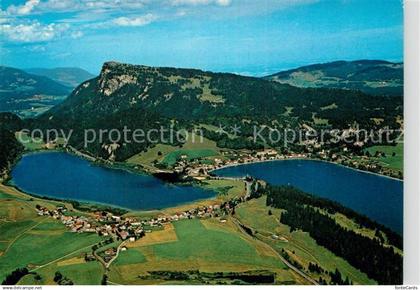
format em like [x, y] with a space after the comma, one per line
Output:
[377, 197]
[64, 176]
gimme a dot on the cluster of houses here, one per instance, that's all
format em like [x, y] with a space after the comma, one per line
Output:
[102, 223]
[201, 212]
[129, 228]
[340, 146]
[125, 228]
[200, 171]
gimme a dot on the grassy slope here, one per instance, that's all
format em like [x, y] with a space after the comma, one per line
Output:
[81, 273]
[226, 188]
[194, 240]
[300, 246]
[29, 143]
[198, 148]
[395, 162]
[207, 245]
[41, 241]
[27, 239]
[130, 257]
[171, 158]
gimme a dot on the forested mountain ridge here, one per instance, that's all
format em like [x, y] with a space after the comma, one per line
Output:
[145, 97]
[197, 95]
[375, 77]
[10, 148]
[10, 121]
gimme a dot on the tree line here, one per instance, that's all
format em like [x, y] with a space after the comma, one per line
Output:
[332, 207]
[10, 149]
[379, 262]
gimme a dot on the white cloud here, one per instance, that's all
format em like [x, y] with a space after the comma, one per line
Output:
[3, 20]
[60, 5]
[23, 9]
[74, 18]
[76, 34]
[135, 21]
[51, 6]
[92, 5]
[200, 2]
[32, 32]
[223, 2]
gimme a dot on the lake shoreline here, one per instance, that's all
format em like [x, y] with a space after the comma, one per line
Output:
[125, 167]
[10, 184]
[308, 159]
[143, 206]
[363, 193]
[103, 206]
[197, 187]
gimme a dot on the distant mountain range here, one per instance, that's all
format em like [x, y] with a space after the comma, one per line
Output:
[67, 76]
[143, 97]
[20, 90]
[374, 77]
[20, 83]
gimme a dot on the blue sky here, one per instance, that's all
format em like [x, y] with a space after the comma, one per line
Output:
[240, 36]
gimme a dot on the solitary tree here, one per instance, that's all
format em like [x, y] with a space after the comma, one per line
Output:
[57, 277]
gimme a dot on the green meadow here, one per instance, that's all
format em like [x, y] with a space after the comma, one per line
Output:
[197, 242]
[80, 273]
[394, 162]
[38, 249]
[205, 245]
[171, 158]
[37, 242]
[299, 245]
[9, 230]
[194, 147]
[83, 273]
[132, 256]
[29, 143]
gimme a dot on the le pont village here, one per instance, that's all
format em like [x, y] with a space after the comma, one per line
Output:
[131, 229]
[128, 228]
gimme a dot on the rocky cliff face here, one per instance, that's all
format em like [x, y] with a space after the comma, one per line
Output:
[170, 91]
[114, 76]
